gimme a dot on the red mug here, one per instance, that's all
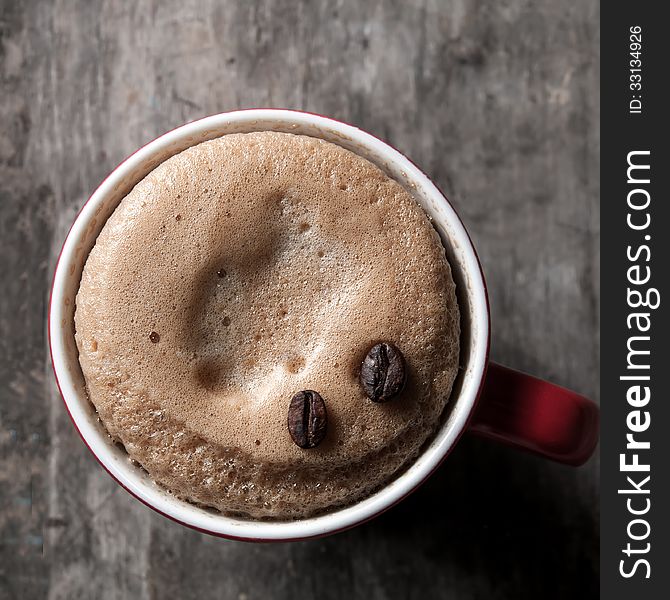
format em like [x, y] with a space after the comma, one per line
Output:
[487, 399]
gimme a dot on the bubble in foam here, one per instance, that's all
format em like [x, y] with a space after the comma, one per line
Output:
[320, 274]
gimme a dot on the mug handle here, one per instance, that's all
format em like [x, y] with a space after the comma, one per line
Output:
[528, 413]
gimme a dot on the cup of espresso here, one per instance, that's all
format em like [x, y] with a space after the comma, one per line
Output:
[270, 325]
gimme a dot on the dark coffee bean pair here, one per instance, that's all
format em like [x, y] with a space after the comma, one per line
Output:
[382, 377]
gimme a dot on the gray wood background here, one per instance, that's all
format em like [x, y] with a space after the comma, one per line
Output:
[497, 101]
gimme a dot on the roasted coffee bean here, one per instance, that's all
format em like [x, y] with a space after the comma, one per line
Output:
[383, 372]
[307, 419]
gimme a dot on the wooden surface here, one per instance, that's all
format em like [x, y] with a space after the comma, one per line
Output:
[497, 101]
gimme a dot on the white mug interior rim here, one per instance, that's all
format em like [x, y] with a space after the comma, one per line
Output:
[472, 298]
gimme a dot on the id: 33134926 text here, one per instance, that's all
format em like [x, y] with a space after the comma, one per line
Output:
[635, 70]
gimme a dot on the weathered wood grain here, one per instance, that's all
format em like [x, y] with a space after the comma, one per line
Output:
[497, 101]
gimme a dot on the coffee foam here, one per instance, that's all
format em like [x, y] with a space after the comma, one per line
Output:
[267, 263]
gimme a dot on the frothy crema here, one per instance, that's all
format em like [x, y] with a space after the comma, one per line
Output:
[239, 272]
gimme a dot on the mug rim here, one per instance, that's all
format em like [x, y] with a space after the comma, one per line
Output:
[340, 519]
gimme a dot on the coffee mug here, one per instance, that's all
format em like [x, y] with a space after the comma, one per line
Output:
[486, 399]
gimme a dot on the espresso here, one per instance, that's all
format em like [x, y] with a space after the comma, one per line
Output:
[241, 272]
